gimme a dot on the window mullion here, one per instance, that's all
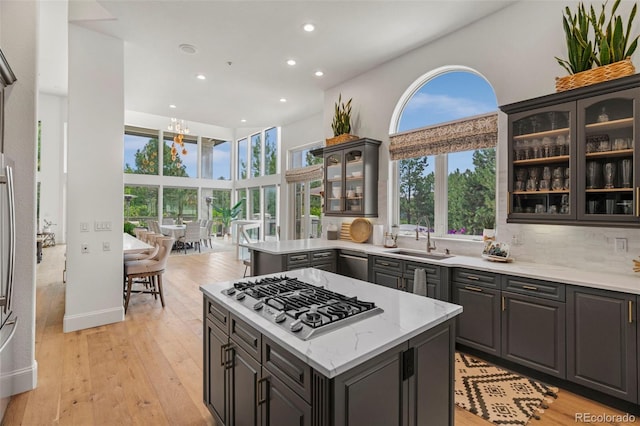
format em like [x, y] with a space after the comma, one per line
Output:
[440, 195]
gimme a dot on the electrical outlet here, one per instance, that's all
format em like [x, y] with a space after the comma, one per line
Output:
[106, 246]
[84, 248]
[620, 245]
[84, 227]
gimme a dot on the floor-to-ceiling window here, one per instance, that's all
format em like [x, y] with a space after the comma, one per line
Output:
[304, 175]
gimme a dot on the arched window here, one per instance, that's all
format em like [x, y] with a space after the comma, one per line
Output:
[443, 140]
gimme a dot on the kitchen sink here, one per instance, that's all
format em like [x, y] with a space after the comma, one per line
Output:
[422, 254]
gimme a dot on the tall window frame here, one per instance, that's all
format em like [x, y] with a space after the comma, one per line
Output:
[439, 224]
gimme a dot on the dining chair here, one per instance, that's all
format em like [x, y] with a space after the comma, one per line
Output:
[205, 232]
[150, 238]
[168, 221]
[191, 236]
[150, 270]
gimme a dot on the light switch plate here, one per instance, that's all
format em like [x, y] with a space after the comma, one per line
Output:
[620, 245]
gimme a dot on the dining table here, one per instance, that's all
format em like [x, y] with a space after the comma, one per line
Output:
[131, 244]
[175, 231]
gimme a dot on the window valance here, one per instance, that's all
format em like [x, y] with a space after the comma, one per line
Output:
[302, 174]
[467, 134]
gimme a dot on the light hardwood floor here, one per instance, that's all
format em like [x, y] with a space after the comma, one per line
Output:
[148, 369]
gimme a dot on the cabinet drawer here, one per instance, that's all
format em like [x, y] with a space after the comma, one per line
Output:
[433, 271]
[247, 337]
[323, 256]
[531, 287]
[387, 263]
[476, 278]
[297, 259]
[286, 367]
[217, 314]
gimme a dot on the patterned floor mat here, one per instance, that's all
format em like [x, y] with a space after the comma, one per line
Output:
[497, 395]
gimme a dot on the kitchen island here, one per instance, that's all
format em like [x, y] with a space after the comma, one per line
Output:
[394, 367]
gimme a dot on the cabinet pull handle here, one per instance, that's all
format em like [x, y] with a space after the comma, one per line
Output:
[509, 202]
[478, 289]
[384, 263]
[301, 257]
[502, 303]
[630, 312]
[223, 353]
[399, 283]
[530, 287]
[262, 400]
[472, 278]
[637, 201]
[322, 255]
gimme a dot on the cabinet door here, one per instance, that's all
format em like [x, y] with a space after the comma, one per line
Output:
[478, 325]
[245, 373]
[606, 183]
[533, 333]
[281, 406]
[334, 183]
[215, 379]
[387, 279]
[373, 393]
[601, 341]
[542, 163]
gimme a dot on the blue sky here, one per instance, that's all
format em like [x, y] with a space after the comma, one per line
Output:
[448, 97]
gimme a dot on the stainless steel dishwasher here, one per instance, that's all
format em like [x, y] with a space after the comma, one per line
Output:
[353, 264]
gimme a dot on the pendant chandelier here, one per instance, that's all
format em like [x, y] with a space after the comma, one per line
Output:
[180, 128]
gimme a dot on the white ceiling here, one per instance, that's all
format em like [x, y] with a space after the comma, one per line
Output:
[242, 48]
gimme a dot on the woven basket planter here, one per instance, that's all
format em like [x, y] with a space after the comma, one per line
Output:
[597, 75]
[341, 139]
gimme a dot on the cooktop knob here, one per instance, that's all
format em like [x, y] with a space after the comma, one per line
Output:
[240, 295]
[280, 316]
[258, 306]
[296, 326]
[231, 291]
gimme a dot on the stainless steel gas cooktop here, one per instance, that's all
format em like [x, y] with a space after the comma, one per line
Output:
[303, 309]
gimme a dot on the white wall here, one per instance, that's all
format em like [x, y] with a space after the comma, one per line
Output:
[52, 115]
[18, 39]
[95, 158]
[516, 55]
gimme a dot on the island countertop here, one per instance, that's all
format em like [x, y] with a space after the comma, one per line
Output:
[404, 316]
[626, 282]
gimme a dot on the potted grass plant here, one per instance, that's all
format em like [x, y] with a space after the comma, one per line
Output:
[593, 39]
[341, 124]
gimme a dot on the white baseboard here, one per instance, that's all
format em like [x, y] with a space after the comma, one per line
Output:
[92, 319]
[19, 381]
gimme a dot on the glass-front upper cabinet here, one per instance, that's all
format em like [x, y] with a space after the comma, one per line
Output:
[606, 151]
[572, 156]
[351, 178]
[542, 159]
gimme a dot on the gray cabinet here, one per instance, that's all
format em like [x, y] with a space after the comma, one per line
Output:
[582, 140]
[351, 178]
[533, 324]
[479, 294]
[266, 263]
[601, 341]
[399, 274]
[251, 380]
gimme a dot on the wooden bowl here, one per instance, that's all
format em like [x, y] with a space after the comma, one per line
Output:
[360, 230]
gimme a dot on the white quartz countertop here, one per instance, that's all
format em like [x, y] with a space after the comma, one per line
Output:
[627, 282]
[404, 316]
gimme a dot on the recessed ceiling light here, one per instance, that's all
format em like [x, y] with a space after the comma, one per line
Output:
[319, 73]
[243, 120]
[189, 49]
[283, 100]
[201, 76]
[291, 62]
[309, 27]
[172, 106]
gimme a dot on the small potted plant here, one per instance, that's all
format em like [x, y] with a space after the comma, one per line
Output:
[341, 124]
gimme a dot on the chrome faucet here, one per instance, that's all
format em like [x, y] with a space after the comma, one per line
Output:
[430, 247]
